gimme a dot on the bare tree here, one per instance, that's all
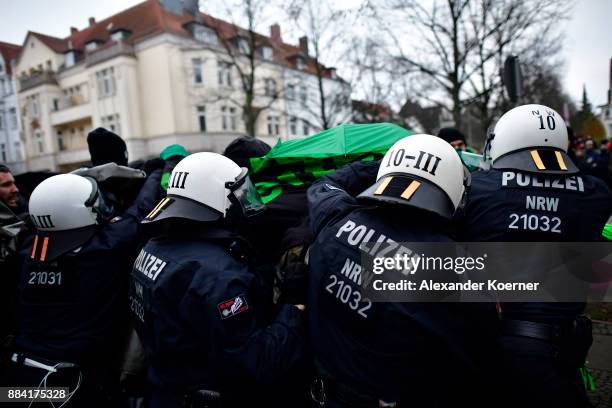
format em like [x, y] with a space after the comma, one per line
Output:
[323, 27]
[243, 54]
[457, 47]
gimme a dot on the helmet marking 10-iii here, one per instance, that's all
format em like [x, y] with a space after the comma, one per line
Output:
[531, 138]
[205, 187]
[421, 171]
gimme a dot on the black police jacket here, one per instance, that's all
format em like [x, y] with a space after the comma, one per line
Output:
[73, 307]
[394, 351]
[201, 318]
[513, 206]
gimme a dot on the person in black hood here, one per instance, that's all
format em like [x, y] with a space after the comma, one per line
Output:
[105, 147]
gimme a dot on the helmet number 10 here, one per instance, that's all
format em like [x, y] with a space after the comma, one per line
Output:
[550, 120]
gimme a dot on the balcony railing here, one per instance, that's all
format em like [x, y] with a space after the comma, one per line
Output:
[42, 78]
[114, 50]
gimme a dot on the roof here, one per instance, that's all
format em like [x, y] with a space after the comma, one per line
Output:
[150, 17]
[9, 52]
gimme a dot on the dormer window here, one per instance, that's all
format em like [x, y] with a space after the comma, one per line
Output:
[205, 34]
[267, 53]
[300, 63]
[69, 59]
[91, 45]
[120, 35]
[244, 46]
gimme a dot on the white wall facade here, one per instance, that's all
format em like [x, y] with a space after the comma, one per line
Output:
[11, 147]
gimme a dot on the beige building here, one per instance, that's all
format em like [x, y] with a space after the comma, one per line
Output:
[155, 74]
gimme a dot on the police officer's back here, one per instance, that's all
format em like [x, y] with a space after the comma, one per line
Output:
[73, 288]
[195, 298]
[371, 354]
[535, 193]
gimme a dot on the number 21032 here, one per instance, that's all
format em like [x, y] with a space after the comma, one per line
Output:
[349, 296]
[533, 222]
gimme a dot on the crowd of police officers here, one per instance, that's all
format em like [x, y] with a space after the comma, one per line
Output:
[186, 282]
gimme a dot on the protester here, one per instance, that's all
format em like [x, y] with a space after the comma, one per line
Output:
[455, 138]
[106, 147]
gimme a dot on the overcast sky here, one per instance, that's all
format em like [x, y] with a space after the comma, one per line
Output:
[587, 48]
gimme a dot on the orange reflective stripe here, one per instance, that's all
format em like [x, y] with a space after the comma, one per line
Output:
[409, 191]
[560, 160]
[157, 208]
[43, 251]
[537, 160]
[383, 186]
[34, 247]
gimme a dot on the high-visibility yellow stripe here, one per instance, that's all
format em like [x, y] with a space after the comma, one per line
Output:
[158, 207]
[43, 251]
[34, 247]
[537, 160]
[383, 186]
[560, 160]
[409, 191]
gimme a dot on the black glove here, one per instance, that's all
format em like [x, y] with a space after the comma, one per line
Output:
[293, 276]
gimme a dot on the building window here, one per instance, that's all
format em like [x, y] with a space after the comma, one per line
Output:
[92, 45]
[270, 87]
[205, 34]
[119, 35]
[267, 53]
[18, 151]
[197, 70]
[112, 123]
[244, 46]
[69, 59]
[1, 68]
[106, 82]
[290, 92]
[303, 95]
[2, 89]
[32, 102]
[1, 120]
[201, 110]
[225, 73]
[306, 127]
[228, 118]
[38, 135]
[300, 63]
[55, 104]
[293, 125]
[13, 117]
[273, 125]
[60, 141]
[3, 152]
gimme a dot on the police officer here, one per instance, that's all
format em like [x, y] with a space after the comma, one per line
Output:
[73, 289]
[195, 298]
[389, 354]
[544, 343]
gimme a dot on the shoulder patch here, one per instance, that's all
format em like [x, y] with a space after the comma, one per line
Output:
[116, 219]
[232, 307]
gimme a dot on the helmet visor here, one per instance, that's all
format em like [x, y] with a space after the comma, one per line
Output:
[244, 194]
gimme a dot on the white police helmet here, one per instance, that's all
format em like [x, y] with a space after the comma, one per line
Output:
[531, 138]
[422, 171]
[204, 187]
[64, 210]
